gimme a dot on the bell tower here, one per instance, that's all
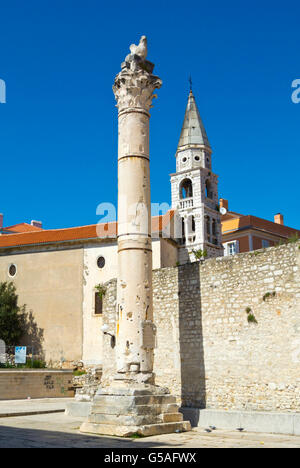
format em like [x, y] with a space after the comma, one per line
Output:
[195, 190]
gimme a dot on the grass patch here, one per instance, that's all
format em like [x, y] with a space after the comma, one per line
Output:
[78, 373]
[269, 294]
[251, 318]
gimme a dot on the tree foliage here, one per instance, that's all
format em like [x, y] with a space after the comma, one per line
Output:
[12, 316]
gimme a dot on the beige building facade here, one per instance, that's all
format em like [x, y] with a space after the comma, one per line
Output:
[56, 277]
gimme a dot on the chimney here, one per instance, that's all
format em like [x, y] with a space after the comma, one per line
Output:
[278, 219]
[1, 220]
[224, 203]
[37, 224]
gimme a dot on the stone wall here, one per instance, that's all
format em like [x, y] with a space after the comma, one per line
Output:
[208, 353]
[20, 384]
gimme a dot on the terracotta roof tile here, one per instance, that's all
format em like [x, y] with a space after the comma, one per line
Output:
[93, 231]
[22, 227]
[253, 222]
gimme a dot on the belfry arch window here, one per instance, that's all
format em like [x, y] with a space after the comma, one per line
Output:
[186, 189]
[208, 191]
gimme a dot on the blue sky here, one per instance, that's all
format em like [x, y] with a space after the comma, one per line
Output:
[58, 129]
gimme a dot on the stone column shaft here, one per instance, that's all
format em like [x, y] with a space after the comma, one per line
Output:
[133, 89]
[134, 243]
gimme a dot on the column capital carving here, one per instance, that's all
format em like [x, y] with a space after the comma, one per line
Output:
[135, 84]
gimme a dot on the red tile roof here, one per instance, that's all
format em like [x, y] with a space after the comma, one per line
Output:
[252, 222]
[102, 231]
[22, 227]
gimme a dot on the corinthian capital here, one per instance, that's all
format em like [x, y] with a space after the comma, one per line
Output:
[135, 84]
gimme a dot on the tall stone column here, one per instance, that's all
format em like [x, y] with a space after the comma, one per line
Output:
[133, 89]
[133, 403]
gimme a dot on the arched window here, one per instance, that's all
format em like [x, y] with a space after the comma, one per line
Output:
[186, 189]
[208, 191]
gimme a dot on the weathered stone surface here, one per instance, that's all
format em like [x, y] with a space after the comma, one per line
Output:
[172, 417]
[132, 401]
[133, 89]
[125, 420]
[125, 414]
[127, 431]
[116, 388]
[87, 384]
[131, 409]
[208, 354]
[78, 409]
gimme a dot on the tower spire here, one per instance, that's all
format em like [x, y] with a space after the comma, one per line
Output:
[193, 132]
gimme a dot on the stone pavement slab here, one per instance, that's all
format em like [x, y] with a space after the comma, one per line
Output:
[10, 408]
[58, 430]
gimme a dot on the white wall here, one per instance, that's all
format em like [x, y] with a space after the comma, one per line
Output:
[92, 275]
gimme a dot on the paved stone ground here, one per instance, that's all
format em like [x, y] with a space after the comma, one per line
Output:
[20, 407]
[58, 430]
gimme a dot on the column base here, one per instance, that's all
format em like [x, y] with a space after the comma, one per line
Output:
[127, 410]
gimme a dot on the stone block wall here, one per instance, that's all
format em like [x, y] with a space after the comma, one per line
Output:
[208, 353]
[21, 384]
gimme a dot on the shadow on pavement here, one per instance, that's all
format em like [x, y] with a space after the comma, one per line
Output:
[13, 437]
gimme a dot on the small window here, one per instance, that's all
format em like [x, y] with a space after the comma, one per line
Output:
[232, 248]
[98, 304]
[184, 160]
[101, 262]
[265, 244]
[12, 271]
[197, 158]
